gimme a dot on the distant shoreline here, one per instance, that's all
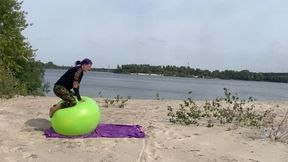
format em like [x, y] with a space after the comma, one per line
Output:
[183, 71]
[152, 74]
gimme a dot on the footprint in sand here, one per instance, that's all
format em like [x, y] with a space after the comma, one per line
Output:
[93, 149]
[27, 130]
[4, 149]
[149, 149]
[108, 158]
[21, 149]
[4, 112]
[227, 159]
[172, 134]
[28, 155]
[148, 152]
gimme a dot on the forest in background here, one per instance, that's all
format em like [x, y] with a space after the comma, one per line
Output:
[186, 71]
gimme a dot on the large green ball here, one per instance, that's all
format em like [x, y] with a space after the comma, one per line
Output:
[80, 119]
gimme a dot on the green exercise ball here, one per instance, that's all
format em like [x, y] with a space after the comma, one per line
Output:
[79, 119]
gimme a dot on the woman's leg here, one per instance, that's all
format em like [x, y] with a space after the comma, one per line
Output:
[65, 95]
[53, 109]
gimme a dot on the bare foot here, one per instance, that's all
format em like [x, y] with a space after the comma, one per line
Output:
[53, 109]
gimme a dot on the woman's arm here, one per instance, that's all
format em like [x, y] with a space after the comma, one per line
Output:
[76, 83]
[76, 86]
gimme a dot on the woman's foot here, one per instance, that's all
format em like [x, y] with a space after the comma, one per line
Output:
[53, 109]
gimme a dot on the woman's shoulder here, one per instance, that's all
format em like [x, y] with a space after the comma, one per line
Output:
[72, 69]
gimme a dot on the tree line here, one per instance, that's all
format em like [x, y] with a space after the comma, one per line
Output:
[51, 65]
[186, 71]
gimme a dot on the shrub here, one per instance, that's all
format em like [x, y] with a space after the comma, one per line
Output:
[118, 100]
[228, 109]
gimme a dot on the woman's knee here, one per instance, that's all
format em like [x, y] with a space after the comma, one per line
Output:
[66, 104]
[70, 101]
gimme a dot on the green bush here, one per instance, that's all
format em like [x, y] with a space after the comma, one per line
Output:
[32, 77]
[228, 109]
[118, 100]
[9, 85]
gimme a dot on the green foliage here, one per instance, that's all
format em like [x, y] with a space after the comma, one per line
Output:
[9, 85]
[198, 73]
[20, 73]
[118, 100]
[224, 110]
[13, 44]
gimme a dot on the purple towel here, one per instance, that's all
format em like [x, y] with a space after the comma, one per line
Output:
[105, 130]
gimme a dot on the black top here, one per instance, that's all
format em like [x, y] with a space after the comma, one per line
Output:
[66, 80]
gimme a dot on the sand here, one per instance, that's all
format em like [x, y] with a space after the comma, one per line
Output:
[23, 120]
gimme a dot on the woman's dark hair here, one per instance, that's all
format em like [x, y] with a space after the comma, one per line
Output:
[85, 61]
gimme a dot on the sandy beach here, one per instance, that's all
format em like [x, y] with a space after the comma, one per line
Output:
[23, 120]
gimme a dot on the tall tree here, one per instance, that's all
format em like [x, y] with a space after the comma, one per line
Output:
[17, 58]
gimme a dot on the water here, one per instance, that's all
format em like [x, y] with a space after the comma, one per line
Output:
[146, 87]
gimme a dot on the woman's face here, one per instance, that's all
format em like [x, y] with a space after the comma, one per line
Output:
[86, 67]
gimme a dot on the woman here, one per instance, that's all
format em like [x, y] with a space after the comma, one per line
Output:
[70, 80]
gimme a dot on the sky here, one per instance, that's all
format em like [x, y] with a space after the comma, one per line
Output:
[205, 34]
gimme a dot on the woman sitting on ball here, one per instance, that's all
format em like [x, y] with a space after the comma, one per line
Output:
[70, 80]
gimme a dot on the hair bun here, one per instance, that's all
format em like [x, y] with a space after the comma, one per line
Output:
[77, 62]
